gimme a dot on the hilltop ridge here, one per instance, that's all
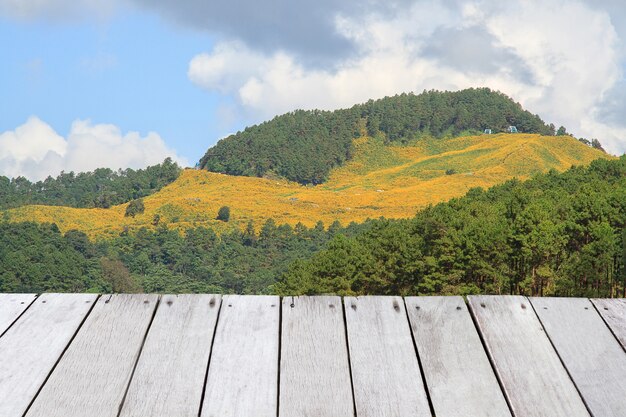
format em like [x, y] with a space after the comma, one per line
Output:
[304, 146]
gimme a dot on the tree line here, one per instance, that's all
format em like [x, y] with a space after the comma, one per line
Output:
[101, 188]
[304, 146]
[39, 258]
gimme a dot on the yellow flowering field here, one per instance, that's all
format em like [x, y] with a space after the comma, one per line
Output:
[393, 182]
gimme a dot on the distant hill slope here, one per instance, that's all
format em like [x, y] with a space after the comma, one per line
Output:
[389, 181]
[303, 146]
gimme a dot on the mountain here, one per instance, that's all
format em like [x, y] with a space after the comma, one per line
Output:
[304, 146]
[381, 179]
[420, 161]
[556, 234]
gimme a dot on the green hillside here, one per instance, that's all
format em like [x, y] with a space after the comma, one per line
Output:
[303, 146]
[556, 234]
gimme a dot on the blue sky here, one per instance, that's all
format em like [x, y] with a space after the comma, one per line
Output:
[126, 83]
[130, 71]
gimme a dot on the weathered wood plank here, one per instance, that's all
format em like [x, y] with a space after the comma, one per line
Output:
[243, 370]
[385, 371]
[592, 356]
[314, 367]
[169, 377]
[460, 379]
[613, 311]
[32, 346]
[92, 376]
[532, 375]
[11, 306]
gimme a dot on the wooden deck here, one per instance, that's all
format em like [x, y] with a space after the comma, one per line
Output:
[75, 355]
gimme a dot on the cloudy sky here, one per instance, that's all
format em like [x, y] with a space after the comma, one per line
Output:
[126, 83]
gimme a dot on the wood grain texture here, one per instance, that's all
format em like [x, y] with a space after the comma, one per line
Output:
[594, 359]
[385, 371]
[314, 368]
[169, 377]
[613, 311]
[32, 346]
[243, 370]
[93, 374]
[532, 375]
[460, 379]
[11, 306]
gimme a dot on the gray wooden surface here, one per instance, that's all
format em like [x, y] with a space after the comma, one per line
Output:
[243, 372]
[532, 375]
[32, 346]
[93, 374]
[66, 355]
[594, 359]
[11, 306]
[613, 311]
[314, 368]
[385, 372]
[461, 381]
[170, 373]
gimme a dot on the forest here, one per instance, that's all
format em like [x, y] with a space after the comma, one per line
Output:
[304, 146]
[101, 188]
[556, 234]
[38, 258]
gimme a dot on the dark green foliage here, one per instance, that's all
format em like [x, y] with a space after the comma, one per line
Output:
[100, 188]
[450, 171]
[134, 208]
[304, 146]
[301, 146]
[37, 258]
[595, 143]
[562, 131]
[622, 267]
[557, 234]
[223, 214]
[117, 275]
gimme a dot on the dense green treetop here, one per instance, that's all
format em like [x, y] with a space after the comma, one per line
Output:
[37, 258]
[100, 188]
[304, 146]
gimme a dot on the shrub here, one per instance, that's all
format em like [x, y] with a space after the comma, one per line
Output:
[223, 213]
[135, 207]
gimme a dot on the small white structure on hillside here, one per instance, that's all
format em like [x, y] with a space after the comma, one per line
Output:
[512, 129]
[487, 132]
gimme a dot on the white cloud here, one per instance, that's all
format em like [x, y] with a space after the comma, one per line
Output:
[34, 150]
[563, 59]
[559, 58]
